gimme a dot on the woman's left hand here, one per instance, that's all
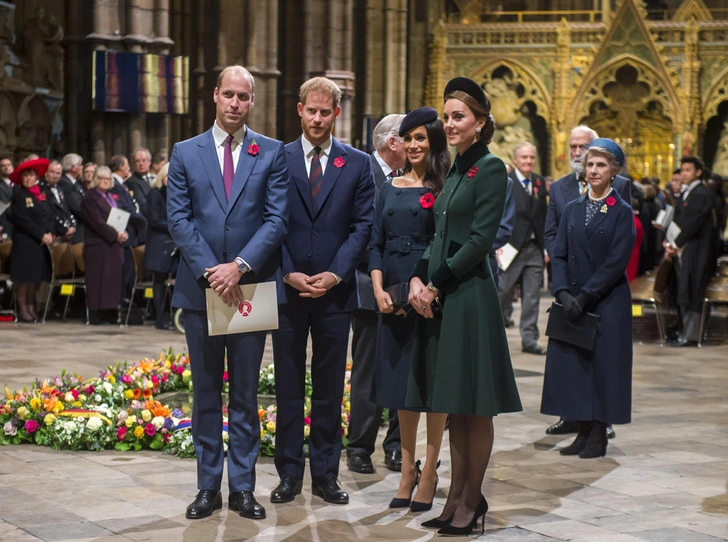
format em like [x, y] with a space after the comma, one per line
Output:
[424, 303]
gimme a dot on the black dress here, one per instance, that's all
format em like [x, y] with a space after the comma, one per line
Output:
[401, 232]
[32, 219]
[158, 252]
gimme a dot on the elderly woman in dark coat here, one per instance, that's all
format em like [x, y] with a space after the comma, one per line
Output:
[102, 251]
[158, 251]
[35, 227]
[591, 252]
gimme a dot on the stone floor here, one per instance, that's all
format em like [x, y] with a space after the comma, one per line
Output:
[665, 477]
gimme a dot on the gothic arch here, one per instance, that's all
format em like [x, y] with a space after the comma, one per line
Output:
[717, 94]
[659, 91]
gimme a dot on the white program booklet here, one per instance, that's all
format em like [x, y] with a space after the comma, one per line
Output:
[3, 207]
[672, 233]
[664, 217]
[259, 311]
[506, 256]
[118, 219]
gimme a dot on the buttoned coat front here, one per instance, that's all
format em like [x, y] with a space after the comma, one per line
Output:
[592, 259]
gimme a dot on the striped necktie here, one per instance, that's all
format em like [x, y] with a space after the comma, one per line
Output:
[583, 187]
[316, 174]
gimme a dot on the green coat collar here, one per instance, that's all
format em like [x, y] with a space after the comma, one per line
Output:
[475, 152]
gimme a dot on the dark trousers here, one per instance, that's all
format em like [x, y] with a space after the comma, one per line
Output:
[158, 291]
[365, 415]
[330, 339]
[207, 358]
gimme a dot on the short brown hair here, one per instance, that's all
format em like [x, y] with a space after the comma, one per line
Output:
[480, 112]
[320, 85]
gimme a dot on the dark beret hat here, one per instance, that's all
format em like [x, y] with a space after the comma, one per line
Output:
[417, 117]
[470, 87]
[611, 146]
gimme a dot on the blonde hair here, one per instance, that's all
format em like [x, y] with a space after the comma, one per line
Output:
[100, 171]
[161, 174]
[320, 85]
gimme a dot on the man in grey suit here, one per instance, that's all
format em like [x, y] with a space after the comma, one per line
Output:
[387, 159]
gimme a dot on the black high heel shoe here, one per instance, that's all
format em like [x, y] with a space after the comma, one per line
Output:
[437, 523]
[480, 511]
[417, 506]
[404, 503]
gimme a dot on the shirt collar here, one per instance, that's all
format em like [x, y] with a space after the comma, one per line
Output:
[520, 176]
[308, 147]
[690, 187]
[474, 153]
[220, 135]
[382, 164]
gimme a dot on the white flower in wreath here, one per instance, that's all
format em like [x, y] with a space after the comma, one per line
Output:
[108, 388]
[94, 424]
[97, 398]
[69, 398]
[10, 429]
[69, 426]
[158, 422]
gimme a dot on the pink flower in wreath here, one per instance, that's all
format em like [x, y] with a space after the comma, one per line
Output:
[150, 430]
[339, 162]
[610, 201]
[121, 433]
[31, 426]
[126, 379]
[180, 369]
[472, 172]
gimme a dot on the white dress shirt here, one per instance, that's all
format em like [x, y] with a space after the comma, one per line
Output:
[521, 177]
[382, 164]
[308, 154]
[56, 194]
[220, 135]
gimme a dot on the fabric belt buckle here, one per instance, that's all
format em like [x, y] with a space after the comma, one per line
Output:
[405, 244]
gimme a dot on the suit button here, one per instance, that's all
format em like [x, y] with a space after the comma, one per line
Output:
[309, 254]
[444, 213]
[227, 227]
[315, 232]
[573, 283]
[601, 231]
[571, 227]
[573, 256]
[441, 234]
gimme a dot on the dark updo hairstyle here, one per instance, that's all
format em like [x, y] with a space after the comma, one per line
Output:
[480, 112]
[438, 159]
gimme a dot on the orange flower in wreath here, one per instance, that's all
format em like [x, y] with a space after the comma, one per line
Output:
[137, 393]
[147, 393]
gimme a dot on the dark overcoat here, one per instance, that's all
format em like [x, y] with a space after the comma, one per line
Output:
[102, 254]
[158, 251]
[32, 219]
[698, 240]
[592, 259]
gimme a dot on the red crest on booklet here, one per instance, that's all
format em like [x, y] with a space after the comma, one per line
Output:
[245, 308]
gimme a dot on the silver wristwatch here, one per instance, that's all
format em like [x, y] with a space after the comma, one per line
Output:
[242, 266]
[431, 287]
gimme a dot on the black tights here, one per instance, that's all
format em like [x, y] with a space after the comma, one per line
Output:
[26, 300]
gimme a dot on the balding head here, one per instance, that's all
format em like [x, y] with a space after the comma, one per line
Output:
[579, 140]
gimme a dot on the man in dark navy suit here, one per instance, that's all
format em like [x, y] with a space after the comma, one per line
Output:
[566, 189]
[227, 203]
[387, 159]
[332, 209]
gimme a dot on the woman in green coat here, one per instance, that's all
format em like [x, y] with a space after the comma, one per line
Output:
[461, 363]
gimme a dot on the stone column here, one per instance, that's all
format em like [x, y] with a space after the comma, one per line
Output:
[262, 62]
[140, 22]
[160, 41]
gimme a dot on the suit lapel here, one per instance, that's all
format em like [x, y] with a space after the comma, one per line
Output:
[572, 188]
[211, 163]
[297, 167]
[246, 163]
[379, 176]
[332, 172]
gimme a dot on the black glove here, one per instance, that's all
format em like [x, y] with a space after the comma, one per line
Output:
[583, 300]
[572, 308]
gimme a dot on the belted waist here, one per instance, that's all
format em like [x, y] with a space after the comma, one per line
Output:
[404, 244]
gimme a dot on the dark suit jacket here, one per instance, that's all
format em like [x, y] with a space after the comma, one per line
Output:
[159, 247]
[699, 236]
[139, 190]
[210, 229]
[6, 192]
[530, 217]
[567, 189]
[136, 228]
[335, 236]
[73, 193]
[61, 213]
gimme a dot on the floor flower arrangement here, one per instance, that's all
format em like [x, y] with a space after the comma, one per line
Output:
[118, 410]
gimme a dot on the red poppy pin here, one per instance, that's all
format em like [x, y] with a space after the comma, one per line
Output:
[472, 172]
[538, 183]
[427, 200]
[339, 162]
[115, 196]
[253, 149]
[41, 197]
[611, 201]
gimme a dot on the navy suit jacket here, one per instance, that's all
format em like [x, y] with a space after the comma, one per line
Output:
[335, 237]
[211, 230]
[567, 189]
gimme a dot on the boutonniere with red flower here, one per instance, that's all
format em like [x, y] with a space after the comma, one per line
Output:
[472, 172]
[115, 196]
[41, 197]
[535, 191]
[339, 162]
[253, 148]
[427, 200]
[610, 201]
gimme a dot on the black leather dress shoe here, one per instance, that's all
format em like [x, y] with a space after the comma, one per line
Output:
[360, 462]
[287, 489]
[563, 427]
[681, 342]
[610, 431]
[393, 460]
[206, 502]
[534, 349]
[508, 323]
[244, 503]
[165, 326]
[330, 491]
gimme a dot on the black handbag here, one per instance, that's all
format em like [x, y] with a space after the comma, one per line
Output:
[399, 293]
[582, 332]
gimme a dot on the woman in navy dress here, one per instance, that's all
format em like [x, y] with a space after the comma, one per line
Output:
[592, 249]
[403, 228]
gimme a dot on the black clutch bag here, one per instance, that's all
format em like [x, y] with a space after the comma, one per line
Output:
[399, 294]
[582, 332]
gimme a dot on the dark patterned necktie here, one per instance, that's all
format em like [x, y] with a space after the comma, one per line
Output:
[228, 168]
[316, 174]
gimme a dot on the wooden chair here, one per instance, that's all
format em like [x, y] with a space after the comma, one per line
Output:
[139, 282]
[716, 294]
[63, 264]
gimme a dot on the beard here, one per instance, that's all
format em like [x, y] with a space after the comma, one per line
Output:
[575, 164]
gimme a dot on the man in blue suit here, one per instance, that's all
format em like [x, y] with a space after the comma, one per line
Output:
[566, 189]
[332, 209]
[228, 212]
